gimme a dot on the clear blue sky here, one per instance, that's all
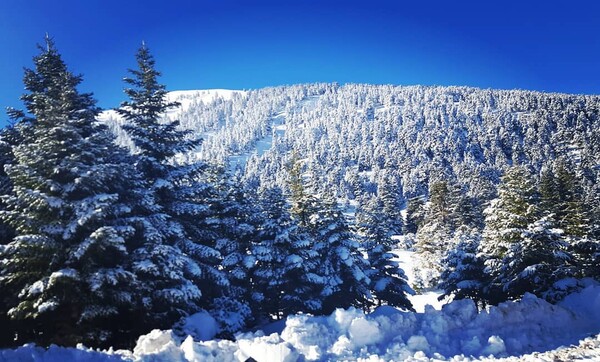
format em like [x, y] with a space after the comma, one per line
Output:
[540, 45]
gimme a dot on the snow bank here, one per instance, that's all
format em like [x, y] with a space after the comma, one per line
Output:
[530, 329]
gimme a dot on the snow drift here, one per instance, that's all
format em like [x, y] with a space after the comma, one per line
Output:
[527, 329]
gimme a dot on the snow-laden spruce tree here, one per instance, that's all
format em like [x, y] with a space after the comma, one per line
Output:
[506, 219]
[179, 268]
[415, 214]
[432, 240]
[389, 193]
[8, 138]
[538, 261]
[562, 198]
[285, 261]
[565, 205]
[340, 267]
[587, 248]
[462, 274]
[74, 205]
[341, 263]
[389, 284]
[231, 229]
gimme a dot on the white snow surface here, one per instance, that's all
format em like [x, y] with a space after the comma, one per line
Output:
[528, 330]
[406, 259]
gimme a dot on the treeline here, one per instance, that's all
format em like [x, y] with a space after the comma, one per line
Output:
[540, 235]
[101, 244]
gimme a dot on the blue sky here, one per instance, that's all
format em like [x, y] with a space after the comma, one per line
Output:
[539, 45]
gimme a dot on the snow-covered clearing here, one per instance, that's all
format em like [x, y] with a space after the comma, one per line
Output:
[529, 330]
[406, 259]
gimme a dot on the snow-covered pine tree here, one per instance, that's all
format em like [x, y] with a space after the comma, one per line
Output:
[536, 262]
[549, 193]
[74, 196]
[432, 240]
[388, 282]
[506, 219]
[563, 202]
[9, 137]
[570, 213]
[233, 222]
[464, 210]
[340, 265]
[179, 191]
[415, 214]
[389, 192]
[158, 139]
[463, 270]
[281, 279]
[7, 140]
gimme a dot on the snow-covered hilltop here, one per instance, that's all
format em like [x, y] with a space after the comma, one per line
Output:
[190, 97]
[354, 133]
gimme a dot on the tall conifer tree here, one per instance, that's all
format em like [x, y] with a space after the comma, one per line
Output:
[176, 266]
[73, 208]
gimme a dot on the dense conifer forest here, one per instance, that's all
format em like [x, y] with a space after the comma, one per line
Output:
[285, 200]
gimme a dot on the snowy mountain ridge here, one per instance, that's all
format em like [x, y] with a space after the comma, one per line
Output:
[187, 97]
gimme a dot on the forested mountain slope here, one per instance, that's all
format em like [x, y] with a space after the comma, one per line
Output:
[357, 138]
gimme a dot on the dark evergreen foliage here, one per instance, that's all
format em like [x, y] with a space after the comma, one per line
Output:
[462, 276]
[72, 208]
[388, 283]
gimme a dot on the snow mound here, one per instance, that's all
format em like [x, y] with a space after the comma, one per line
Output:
[530, 329]
[201, 326]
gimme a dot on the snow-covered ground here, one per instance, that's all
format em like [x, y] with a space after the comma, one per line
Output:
[530, 330]
[406, 259]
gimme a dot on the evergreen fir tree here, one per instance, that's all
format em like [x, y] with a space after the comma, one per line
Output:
[341, 264]
[550, 202]
[463, 270]
[586, 249]
[390, 195]
[73, 208]
[282, 281]
[388, 281]
[181, 193]
[433, 237]
[506, 219]
[7, 140]
[464, 211]
[439, 203]
[536, 262]
[158, 140]
[415, 214]
[570, 215]
[234, 222]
